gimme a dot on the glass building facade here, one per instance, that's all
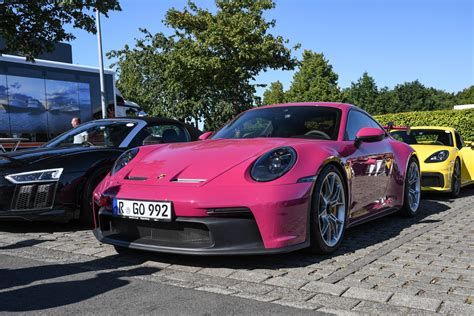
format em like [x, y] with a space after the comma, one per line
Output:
[38, 102]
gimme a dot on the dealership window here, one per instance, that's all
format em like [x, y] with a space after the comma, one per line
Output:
[4, 118]
[27, 107]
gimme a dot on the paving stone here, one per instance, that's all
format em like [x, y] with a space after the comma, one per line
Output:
[291, 294]
[286, 282]
[411, 301]
[297, 304]
[215, 289]
[220, 272]
[250, 276]
[375, 308]
[252, 288]
[367, 294]
[334, 301]
[326, 288]
[453, 308]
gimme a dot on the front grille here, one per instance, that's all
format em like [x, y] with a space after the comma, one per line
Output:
[34, 196]
[170, 234]
[432, 179]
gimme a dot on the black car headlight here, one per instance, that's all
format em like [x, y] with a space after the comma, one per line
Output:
[124, 160]
[273, 164]
[438, 156]
[49, 175]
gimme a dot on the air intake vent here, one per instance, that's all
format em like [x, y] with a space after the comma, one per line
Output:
[28, 197]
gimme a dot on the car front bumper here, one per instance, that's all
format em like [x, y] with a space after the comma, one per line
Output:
[205, 221]
[187, 235]
[436, 176]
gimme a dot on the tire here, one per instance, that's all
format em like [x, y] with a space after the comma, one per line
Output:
[456, 180]
[92, 182]
[125, 251]
[328, 211]
[412, 189]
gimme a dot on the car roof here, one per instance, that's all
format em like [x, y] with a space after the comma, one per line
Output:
[440, 128]
[338, 105]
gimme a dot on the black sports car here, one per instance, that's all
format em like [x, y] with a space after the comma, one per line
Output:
[55, 181]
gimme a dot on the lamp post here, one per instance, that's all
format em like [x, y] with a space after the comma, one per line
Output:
[101, 65]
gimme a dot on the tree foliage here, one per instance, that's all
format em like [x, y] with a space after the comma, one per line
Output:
[206, 68]
[466, 96]
[31, 27]
[315, 80]
[364, 93]
[274, 94]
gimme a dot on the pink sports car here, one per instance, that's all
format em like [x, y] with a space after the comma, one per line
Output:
[274, 179]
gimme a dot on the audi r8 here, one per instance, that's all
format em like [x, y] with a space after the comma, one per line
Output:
[56, 181]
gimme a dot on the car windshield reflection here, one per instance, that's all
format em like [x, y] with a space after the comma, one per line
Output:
[94, 134]
[284, 121]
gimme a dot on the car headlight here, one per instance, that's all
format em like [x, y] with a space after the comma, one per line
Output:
[273, 164]
[438, 156]
[49, 175]
[124, 160]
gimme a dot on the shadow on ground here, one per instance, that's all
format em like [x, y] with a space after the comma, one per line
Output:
[18, 294]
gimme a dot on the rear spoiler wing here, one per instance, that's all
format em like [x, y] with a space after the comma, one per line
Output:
[391, 127]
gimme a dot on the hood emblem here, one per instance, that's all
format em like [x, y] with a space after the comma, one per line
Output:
[161, 176]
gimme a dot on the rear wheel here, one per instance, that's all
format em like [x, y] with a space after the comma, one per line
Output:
[412, 192]
[456, 179]
[328, 211]
[92, 182]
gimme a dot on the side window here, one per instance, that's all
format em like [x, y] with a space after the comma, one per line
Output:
[355, 121]
[169, 133]
[459, 142]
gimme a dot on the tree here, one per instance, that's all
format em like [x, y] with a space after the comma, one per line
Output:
[31, 27]
[363, 93]
[386, 101]
[274, 94]
[205, 69]
[315, 80]
[442, 99]
[413, 96]
[465, 96]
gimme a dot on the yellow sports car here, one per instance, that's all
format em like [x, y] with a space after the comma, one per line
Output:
[446, 163]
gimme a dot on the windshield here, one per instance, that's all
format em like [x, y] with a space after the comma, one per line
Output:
[424, 137]
[314, 122]
[98, 133]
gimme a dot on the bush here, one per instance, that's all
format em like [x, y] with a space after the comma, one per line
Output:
[461, 120]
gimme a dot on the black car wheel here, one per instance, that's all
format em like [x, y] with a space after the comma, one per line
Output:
[93, 180]
[328, 211]
[412, 193]
[456, 180]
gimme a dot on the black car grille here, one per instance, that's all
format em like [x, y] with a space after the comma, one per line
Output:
[34, 196]
[432, 179]
[171, 234]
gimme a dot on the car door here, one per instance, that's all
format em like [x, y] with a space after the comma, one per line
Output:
[371, 167]
[466, 153]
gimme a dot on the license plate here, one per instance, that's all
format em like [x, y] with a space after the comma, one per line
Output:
[150, 210]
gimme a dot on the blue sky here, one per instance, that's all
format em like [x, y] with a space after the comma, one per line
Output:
[393, 40]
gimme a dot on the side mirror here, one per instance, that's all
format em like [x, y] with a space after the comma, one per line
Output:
[369, 135]
[205, 135]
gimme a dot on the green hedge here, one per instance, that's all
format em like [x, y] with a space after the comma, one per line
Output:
[461, 120]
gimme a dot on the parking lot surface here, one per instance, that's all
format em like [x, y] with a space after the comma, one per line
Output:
[421, 265]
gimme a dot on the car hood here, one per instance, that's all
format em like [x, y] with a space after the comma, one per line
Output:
[424, 151]
[29, 156]
[202, 161]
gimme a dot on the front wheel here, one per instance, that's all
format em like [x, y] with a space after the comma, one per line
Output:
[412, 191]
[456, 180]
[328, 211]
